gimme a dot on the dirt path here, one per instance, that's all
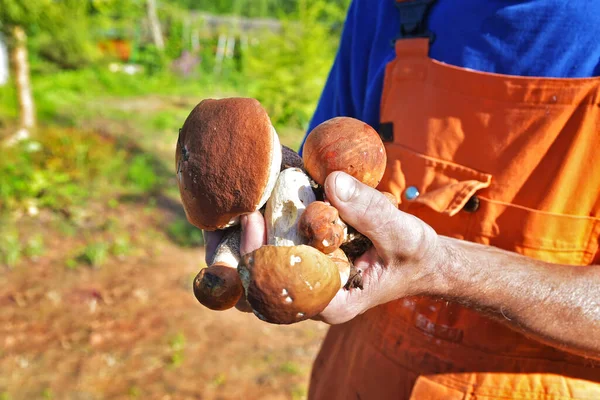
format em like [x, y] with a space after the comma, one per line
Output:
[133, 329]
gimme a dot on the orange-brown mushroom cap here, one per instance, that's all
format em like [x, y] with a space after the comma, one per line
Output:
[218, 287]
[288, 284]
[321, 225]
[345, 144]
[227, 158]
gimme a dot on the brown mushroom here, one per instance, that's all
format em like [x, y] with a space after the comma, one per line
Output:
[228, 158]
[322, 226]
[345, 144]
[218, 286]
[326, 231]
[288, 284]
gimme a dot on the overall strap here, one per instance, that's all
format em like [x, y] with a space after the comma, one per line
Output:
[413, 19]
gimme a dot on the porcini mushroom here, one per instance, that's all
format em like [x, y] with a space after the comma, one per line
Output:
[345, 144]
[287, 281]
[322, 226]
[288, 284]
[228, 158]
[218, 286]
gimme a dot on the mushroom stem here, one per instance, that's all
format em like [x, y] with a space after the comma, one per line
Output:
[218, 286]
[290, 197]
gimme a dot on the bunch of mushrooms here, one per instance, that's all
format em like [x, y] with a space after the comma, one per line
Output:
[230, 162]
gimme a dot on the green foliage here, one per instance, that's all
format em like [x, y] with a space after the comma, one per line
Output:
[58, 168]
[95, 254]
[290, 368]
[21, 13]
[177, 346]
[141, 173]
[11, 249]
[34, 247]
[135, 392]
[248, 8]
[185, 234]
[66, 36]
[220, 379]
[299, 392]
[287, 72]
[121, 246]
[47, 394]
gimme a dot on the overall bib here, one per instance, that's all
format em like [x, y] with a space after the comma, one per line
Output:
[511, 162]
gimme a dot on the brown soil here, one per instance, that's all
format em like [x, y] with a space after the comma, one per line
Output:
[133, 329]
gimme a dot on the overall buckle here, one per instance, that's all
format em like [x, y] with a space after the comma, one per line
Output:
[413, 16]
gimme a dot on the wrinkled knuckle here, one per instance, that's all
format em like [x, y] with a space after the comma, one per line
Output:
[378, 206]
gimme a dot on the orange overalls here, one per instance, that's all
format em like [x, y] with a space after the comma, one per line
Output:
[501, 160]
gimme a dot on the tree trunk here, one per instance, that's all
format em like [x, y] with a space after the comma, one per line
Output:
[155, 24]
[23, 79]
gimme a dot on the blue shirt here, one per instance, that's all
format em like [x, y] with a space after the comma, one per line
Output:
[549, 38]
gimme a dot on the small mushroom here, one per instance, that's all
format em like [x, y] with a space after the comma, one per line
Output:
[345, 144]
[218, 286]
[228, 158]
[322, 226]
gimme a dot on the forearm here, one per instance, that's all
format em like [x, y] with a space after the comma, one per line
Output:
[555, 304]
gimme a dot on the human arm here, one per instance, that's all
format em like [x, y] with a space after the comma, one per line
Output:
[555, 304]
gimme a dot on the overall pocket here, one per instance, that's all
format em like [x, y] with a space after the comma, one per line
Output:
[454, 200]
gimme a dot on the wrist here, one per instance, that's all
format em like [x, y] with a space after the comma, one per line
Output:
[444, 269]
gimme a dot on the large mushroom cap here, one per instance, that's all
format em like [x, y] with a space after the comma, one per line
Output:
[228, 157]
[288, 284]
[345, 144]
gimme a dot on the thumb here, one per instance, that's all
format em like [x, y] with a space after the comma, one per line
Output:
[368, 211]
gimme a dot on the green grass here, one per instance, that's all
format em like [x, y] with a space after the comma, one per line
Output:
[177, 347]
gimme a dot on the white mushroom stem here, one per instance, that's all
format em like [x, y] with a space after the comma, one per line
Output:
[228, 250]
[290, 196]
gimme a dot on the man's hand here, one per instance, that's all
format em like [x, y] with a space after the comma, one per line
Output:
[405, 256]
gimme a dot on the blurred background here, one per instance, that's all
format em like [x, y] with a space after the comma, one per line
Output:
[96, 256]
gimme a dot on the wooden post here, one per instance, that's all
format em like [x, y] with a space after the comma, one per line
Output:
[230, 46]
[155, 24]
[220, 52]
[23, 80]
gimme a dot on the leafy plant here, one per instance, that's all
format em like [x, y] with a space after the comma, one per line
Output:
[95, 253]
[287, 72]
[11, 249]
[121, 246]
[177, 346]
[289, 367]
